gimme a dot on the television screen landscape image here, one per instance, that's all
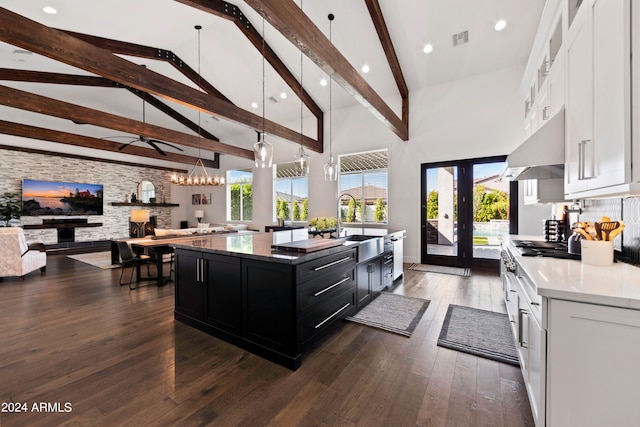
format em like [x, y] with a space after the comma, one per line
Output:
[61, 198]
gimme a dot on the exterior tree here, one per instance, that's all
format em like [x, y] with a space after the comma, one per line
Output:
[432, 205]
[381, 211]
[296, 211]
[304, 214]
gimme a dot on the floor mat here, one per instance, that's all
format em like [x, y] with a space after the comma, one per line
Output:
[426, 268]
[392, 312]
[480, 332]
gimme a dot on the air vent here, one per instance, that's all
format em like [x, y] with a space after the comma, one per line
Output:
[461, 38]
[272, 100]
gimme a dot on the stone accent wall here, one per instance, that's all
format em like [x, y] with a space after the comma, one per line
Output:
[119, 181]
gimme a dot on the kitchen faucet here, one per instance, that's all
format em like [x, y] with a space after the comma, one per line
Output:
[339, 220]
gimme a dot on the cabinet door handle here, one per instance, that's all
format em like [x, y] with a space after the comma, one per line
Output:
[341, 260]
[198, 270]
[521, 341]
[328, 288]
[582, 161]
[332, 316]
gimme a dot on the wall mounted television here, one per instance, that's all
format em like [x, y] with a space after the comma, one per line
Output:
[61, 198]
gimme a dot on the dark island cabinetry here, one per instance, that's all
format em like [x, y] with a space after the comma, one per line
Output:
[269, 308]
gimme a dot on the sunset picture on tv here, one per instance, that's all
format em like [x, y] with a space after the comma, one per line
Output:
[61, 198]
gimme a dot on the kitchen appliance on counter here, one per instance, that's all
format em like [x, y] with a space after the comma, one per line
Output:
[554, 230]
[544, 249]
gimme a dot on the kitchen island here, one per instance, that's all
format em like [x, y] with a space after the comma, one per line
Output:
[577, 331]
[269, 302]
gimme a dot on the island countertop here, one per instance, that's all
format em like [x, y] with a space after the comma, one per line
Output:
[258, 245]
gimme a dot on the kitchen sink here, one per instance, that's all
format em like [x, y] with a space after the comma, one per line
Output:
[368, 246]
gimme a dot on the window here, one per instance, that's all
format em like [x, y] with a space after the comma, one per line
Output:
[364, 176]
[239, 195]
[291, 200]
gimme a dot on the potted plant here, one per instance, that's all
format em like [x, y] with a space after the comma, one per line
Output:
[10, 208]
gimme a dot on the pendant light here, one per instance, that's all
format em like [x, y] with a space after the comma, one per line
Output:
[301, 159]
[331, 168]
[263, 150]
[193, 179]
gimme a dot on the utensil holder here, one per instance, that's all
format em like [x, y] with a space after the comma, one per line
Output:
[597, 252]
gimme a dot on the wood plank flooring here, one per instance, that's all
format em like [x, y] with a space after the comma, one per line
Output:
[119, 358]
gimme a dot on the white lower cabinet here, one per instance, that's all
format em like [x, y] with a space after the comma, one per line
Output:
[593, 365]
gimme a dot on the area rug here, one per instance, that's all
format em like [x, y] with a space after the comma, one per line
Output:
[426, 268]
[392, 312]
[480, 332]
[97, 259]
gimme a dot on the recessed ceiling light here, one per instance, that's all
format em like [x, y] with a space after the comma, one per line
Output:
[283, 95]
[254, 104]
[500, 25]
[427, 48]
[323, 82]
[50, 10]
[365, 68]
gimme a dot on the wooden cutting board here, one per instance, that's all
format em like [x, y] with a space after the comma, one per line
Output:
[309, 245]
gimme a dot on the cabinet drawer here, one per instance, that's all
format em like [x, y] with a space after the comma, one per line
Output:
[324, 314]
[325, 287]
[325, 265]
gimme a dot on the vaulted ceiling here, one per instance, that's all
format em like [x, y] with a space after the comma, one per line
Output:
[74, 77]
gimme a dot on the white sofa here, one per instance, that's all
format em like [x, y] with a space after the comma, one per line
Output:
[17, 258]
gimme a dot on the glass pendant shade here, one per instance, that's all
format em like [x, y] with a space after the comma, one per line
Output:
[331, 170]
[263, 152]
[302, 162]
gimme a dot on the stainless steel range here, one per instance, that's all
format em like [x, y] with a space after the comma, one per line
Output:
[543, 248]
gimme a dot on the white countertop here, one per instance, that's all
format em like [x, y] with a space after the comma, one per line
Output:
[617, 285]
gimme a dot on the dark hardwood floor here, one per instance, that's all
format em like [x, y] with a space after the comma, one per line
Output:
[75, 340]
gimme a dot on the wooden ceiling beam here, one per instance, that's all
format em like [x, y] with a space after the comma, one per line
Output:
[70, 79]
[27, 34]
[22, 100]
[55, 78]
[33, 132]
[140, 51]
[286, 17]
[389, 50]
[233, 13]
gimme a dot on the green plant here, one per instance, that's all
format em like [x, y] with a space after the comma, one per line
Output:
[323, 223]
[10, 206]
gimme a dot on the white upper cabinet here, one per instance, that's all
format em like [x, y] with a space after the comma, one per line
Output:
[598, 99]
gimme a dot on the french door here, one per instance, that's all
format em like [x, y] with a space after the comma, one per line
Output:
[466, 208]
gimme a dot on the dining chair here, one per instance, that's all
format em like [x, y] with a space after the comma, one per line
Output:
[129, 259]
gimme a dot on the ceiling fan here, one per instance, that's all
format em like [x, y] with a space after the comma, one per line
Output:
[152, 142]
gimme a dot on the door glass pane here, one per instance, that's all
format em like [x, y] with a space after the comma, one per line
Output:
[442, 211]
[490, 209]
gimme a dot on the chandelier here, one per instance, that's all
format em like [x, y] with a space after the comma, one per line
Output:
[331, 168]
[263, 149]
[301, 159]
[194, 179]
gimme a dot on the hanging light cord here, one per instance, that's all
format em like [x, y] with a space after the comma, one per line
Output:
[198, 27]
[301, 103]
[263, 96]
[330, 109]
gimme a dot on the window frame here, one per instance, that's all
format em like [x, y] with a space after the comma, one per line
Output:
[361, 196]
[233, 181]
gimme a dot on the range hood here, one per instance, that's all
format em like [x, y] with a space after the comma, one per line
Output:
[541, 156]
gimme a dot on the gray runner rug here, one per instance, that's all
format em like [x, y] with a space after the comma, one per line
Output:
[443, 269]
[480, 332]
[392, 312]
